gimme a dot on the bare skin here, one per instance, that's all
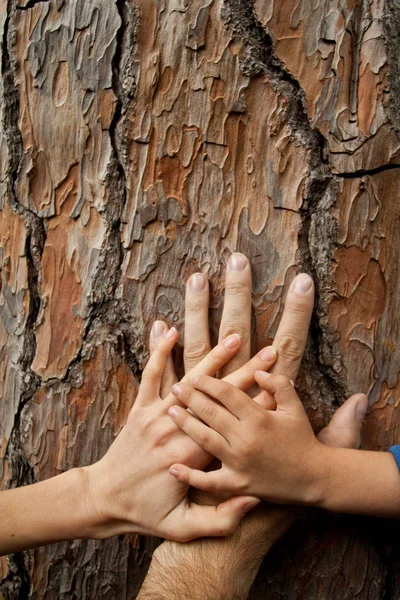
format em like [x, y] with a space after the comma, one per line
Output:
[121, 493]
[260, 451]
[222, 568]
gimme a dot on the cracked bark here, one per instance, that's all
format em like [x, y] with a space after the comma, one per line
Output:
[142, 141]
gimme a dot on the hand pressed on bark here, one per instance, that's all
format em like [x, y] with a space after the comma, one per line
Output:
[269, 452]
[275, 455]
[130, 487]
[194, 569]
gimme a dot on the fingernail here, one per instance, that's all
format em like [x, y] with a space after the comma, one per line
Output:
[174, 472]
[177, 389]
[232, 341]
[302, 284]
[170, 333]
[250, 505]
[173, 412]
[292, 382]
[263, 374]
[195, 380]
[361, 409]
[238, 262]
[197, 282]
[158, 329]
[268, 354]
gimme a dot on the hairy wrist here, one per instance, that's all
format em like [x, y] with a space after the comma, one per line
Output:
[189, 572]
[216, 568]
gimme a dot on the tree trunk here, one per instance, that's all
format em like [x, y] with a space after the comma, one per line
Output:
[143, 140]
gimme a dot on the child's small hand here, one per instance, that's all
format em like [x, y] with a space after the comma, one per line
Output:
[273, 455]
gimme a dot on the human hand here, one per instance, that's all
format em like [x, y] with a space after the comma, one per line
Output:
[130, 488]
[273, 455]
[226, 567]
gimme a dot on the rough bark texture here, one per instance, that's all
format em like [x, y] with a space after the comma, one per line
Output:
[143, 140]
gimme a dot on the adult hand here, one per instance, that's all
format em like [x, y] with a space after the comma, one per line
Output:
[225, 567]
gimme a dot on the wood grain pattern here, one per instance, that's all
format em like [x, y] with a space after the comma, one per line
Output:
[144, 140]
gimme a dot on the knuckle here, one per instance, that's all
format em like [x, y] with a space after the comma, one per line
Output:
[196, 350]
[162, 435]
[247, 449]
[142, 419]
[195, 304]
[208, 413]
[203, 438]
[184, 453]
[236, 326]
[224, 391]
[297, 307]
[149, 373]
[237, 288]
[290, 347]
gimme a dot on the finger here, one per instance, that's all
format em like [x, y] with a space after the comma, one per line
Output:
[243, 378]
[205, 437]
[281, 388]
[152, 374]
[212, 363]
[291, 337]
[236, 315]
[213, 481]
[237, 402]
[265, 400]
[216, 521]
[344, 430]
[206, 409]
[197, 336]
[169, 377]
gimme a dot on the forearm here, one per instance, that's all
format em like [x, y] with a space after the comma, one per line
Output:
[43, 513]
[360, 482]
[216, 569]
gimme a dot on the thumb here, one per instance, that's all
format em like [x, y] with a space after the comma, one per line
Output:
[216, 521]
[344, 430]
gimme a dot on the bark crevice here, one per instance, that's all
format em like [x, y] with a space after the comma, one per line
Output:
[239, 16]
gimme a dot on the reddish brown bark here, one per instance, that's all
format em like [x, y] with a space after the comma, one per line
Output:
[143, 140]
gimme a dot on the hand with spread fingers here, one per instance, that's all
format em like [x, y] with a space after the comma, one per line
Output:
[129, 490]
[271, 454]
[132, 491]
[274, 454]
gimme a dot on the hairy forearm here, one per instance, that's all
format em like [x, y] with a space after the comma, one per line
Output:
[361, 482]
[216, 569]
[44, 513]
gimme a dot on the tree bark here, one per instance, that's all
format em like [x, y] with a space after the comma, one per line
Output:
[144, 140]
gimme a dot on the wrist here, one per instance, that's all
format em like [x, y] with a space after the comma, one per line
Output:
[102, 521]
[319, 472]
[205, 568]
[237, 557]
[85, 521]
[362, 482]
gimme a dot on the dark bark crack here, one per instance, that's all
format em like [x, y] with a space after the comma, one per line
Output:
[31, 4]
[240, 17]
[365, 172]
[17, 583]
[105, 308]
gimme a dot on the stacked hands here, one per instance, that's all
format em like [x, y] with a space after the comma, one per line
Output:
[266, 444]
[250, 419]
